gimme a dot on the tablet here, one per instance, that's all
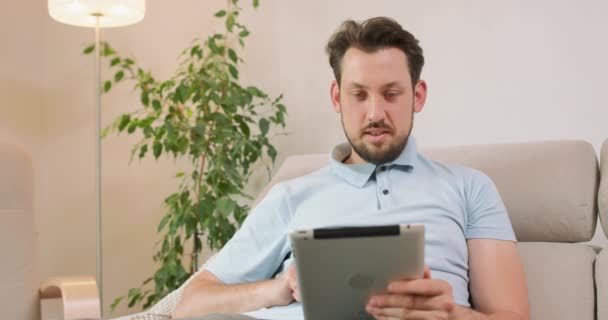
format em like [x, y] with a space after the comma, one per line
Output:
[339, 268]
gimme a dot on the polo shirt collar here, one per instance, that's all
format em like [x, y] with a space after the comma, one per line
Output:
[359, 174]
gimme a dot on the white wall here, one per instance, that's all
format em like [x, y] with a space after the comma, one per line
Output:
[20, 85]
[497, 72]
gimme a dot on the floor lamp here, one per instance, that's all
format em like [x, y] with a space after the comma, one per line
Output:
[98, 14]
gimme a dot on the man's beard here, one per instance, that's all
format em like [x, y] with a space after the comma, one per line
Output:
[378, 157]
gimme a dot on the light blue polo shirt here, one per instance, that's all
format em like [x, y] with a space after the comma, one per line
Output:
[454, 203]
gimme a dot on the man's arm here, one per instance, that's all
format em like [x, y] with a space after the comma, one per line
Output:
[497, 286]
[207, 294]
[497, 282]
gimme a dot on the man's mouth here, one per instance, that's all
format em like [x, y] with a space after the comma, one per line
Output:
[376, 134]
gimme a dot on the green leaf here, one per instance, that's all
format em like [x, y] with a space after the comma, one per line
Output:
[232, 55]
[244, 129]
[256, 92]
[146, 122]
[264, 125]
[230, 21]
[156, 105]
[116, 303]
[160, 132]
[213, 46]
[107, 86]
[132, 126]
[104, 132]
[272, 153]
[243, 33]
[225, 205]
[233, 71]
[163, 223]
[196, 51]
[215, 98]
[124, 121]
[182, 93]
[199, 130]
[119, 75]
[157, 148]
[256, 3]
[143, 150]
[107, 50]
[89, 49]
[145, 98]
[220, 13]
[281, 108]
[134, 300]
[179, 174]
[172, 199]
[114, 61]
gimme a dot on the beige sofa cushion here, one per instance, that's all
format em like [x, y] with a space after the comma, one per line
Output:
[549, 188]
[560, 280]
[603, 194]
[19, 293]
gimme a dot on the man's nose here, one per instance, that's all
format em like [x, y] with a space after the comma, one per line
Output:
[375, 110]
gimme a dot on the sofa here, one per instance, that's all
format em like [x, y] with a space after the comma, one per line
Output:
[551, 192]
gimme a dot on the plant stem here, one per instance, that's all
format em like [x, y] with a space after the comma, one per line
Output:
[200, 176]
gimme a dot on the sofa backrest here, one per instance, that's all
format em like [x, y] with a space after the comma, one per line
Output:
[549, 188]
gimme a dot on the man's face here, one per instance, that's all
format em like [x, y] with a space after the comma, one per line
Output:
[377, 102]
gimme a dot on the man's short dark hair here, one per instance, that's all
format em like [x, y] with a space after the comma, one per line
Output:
[370, 36]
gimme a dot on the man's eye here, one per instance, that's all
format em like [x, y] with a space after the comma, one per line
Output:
[391, 94]
[359, 94]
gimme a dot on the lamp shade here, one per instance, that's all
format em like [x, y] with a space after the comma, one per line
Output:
[112, 13]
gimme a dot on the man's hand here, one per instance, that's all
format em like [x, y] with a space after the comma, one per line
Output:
[287, 287]
[292, 276]
[424, 298]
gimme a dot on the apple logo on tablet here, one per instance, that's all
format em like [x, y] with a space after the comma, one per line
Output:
[360, 281]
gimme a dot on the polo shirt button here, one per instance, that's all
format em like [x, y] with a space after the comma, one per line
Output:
[385, 191]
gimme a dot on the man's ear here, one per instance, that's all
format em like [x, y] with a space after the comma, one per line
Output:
[335, 96]
[420, 91]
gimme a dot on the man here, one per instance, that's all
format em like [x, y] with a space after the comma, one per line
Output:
[377, 178]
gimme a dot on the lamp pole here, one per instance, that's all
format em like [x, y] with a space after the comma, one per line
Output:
[98, 156]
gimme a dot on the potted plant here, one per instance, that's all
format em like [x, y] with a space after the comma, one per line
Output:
[203, 114]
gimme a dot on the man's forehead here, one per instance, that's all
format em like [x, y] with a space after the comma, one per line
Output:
[381, 68]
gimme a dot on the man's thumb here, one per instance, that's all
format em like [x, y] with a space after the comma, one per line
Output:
[427, 272]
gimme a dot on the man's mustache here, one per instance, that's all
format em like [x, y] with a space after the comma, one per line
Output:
[377, 125]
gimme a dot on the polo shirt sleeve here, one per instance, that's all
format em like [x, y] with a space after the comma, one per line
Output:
[258, 248]
[487, 216]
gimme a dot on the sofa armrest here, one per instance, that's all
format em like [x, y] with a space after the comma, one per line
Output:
[79, 295]
[601, 284]
[602, 198]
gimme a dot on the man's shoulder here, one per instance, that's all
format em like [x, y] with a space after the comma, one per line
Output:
[453, 171]
[312, 179]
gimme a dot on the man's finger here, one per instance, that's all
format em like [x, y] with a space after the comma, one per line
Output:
[296, 295]
[424, 287]
[441, 302]
[427, 272]
[396, 313]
